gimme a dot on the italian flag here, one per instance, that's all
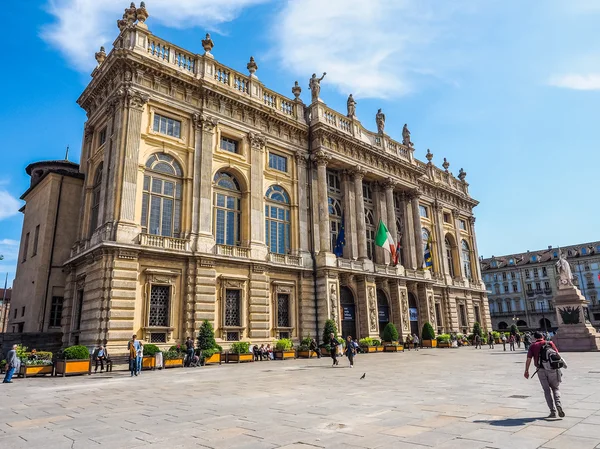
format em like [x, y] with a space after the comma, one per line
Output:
[384, 240]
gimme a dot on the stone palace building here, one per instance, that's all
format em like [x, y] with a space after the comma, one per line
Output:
[202, 194]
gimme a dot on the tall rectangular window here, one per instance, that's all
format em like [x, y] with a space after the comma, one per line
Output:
[102, 137]
[233, 316]
[423, 211]
[503, 276]
[36, 237]
[159, 305]
[506, 289]
[462, 316]
[283, 310]
[56, 311]
[278, 162]
[477, 315]
[462, 224]
[78, 310]
[23, 311]
[529, 288]
[230, 145]
[167, 126]
[25, 247]
[526, 274]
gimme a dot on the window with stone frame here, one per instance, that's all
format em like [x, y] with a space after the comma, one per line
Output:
[277, 220]
[283, 310]
[423, 211]
[162, 195]
[450, 258]
[96, 190]
[466, 259]
[515, 287]
[477, 314]
[544, 272]
[167, 126]
[160, 300]
[56, 308]
[227, 209]
[399, 226]
[230, 145]
[369, 219]
[233, 307]
[78, 310]
[334, 199]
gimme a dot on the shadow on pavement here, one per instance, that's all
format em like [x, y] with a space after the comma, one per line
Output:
[509, 422]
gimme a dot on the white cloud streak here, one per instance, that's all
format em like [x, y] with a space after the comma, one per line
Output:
[9, 205]
[575, 81]
[82, 26]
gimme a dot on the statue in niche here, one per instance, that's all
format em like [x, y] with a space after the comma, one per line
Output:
[406, 136]
[351, 103]
[380, 120]
[564, 270]
[314, 85]
[334, 302]
[372, 309]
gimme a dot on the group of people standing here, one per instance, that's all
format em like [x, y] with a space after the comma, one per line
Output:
[136, 354]
[412, 340]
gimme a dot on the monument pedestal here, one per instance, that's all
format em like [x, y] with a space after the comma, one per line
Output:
[574, 333]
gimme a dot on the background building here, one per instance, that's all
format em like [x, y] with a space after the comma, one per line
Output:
[5, 296]
[521, 286]
[208, 196]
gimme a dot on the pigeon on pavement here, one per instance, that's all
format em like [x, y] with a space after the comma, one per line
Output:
[363, 376]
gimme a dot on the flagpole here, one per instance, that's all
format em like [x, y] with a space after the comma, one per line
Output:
[4, 304]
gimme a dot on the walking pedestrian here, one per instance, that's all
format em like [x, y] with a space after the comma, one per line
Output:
[189, 345]
[504, 341]
[407, 342]
[518, 339]
[133, 347]
[415, 342]
[333, 344]
[477, 339]
[541, 352]
[139, 358]
[511, 341]
[350, 350]
[12, 364]
[527, 340]
[491, 340]
[314, 347]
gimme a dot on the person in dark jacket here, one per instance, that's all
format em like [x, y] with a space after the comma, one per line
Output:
[350, 350]
[333, 344]
[315, 347]
[12, 364]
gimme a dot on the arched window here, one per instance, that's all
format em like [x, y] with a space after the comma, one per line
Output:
[161, 198]
[466, 259]
[227, 209]
[96, 198]
[277, 220]
[449, 258]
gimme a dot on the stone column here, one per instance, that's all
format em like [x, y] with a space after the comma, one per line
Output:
[440, 243]
[128, 228]
[474, 252]
[258, 244]
[461, 272]
[349, 202]
[111, 160]
[361, 227]
[321, 159]
[408, 239]
[380, 210]
[399, 299]
[302, 203]
[202, 186]
[84, 210]
[417, 229]
[389, 186]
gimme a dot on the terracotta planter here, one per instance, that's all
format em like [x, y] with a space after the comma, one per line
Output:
[213, 359]
[307, 354]
[36, 370]
[72, 367]
[149, 362]
[237, 358]
[284, 355]
[173, 363]
[430, 343]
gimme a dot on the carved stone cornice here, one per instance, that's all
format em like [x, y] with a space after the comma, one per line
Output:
[132, 98]
[321, 158]
[358, 173]
[455, 213]
[257, 141]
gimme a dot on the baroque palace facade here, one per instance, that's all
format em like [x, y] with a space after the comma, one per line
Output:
[205, 195]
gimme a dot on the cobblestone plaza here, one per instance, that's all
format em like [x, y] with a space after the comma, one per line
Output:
[442, 398]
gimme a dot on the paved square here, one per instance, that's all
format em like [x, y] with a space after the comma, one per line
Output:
[443, 398]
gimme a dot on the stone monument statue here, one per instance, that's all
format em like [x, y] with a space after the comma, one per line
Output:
[314, 85]
[406, 136]
[380, 120]
[334, 302]
[564, 270]
[351, 103]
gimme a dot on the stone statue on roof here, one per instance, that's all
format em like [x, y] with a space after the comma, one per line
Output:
[314, 84]
[380, 120]
[564, 270]
[406, 136]
[351, 103]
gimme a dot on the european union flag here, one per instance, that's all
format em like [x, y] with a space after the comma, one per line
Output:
[341, 240]
[428, 258]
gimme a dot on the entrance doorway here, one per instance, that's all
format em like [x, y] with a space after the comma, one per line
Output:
[383, 307]
[348, 313]
[413, 311]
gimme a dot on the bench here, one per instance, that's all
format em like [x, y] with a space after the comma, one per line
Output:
[116, 360]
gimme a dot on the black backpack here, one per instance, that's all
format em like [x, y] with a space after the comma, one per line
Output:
[550, 359]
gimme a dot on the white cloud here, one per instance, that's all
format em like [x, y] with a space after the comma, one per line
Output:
[82, 26]
[575, 81]
[9, 205]
[372, 49]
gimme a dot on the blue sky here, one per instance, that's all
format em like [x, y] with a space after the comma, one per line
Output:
[508, 90]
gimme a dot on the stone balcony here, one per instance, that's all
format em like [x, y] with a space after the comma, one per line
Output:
[285, 259]
[170, 243]
[238, 252]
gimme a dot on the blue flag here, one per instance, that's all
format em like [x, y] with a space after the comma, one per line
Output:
[428, 258]
[341, 240]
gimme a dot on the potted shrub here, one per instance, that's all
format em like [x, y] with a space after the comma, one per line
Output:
[366, 344]
[514, 330]
[173, 358]
[149, 359]
[328, 329]
[36, 364]
[443, 341]
[73, 360]
[2, 365]
[283, 349]
[304, 351]
[496, 336]
[240, 352]
[209, 350]
[428, 336]
[390, 339]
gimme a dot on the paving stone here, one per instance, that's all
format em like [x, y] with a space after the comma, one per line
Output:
[570, 442]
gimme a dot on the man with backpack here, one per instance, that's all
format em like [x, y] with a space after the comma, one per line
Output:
[548, 362]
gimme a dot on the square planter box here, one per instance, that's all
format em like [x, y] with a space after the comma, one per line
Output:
[72, 367]
[283, 355]
[36, 370]
[369, 349]
[237, 358]
[307, 354]
[148, 362]
[173, 363]
[213, 359]
[379, 348]
[325, 352]
[393, 348]
[444, 344]
[430, 343]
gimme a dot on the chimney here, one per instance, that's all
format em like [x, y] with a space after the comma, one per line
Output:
[549, 246]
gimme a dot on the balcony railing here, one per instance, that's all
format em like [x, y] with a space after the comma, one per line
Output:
[232, 251]
[158, 241]
[285, 259]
